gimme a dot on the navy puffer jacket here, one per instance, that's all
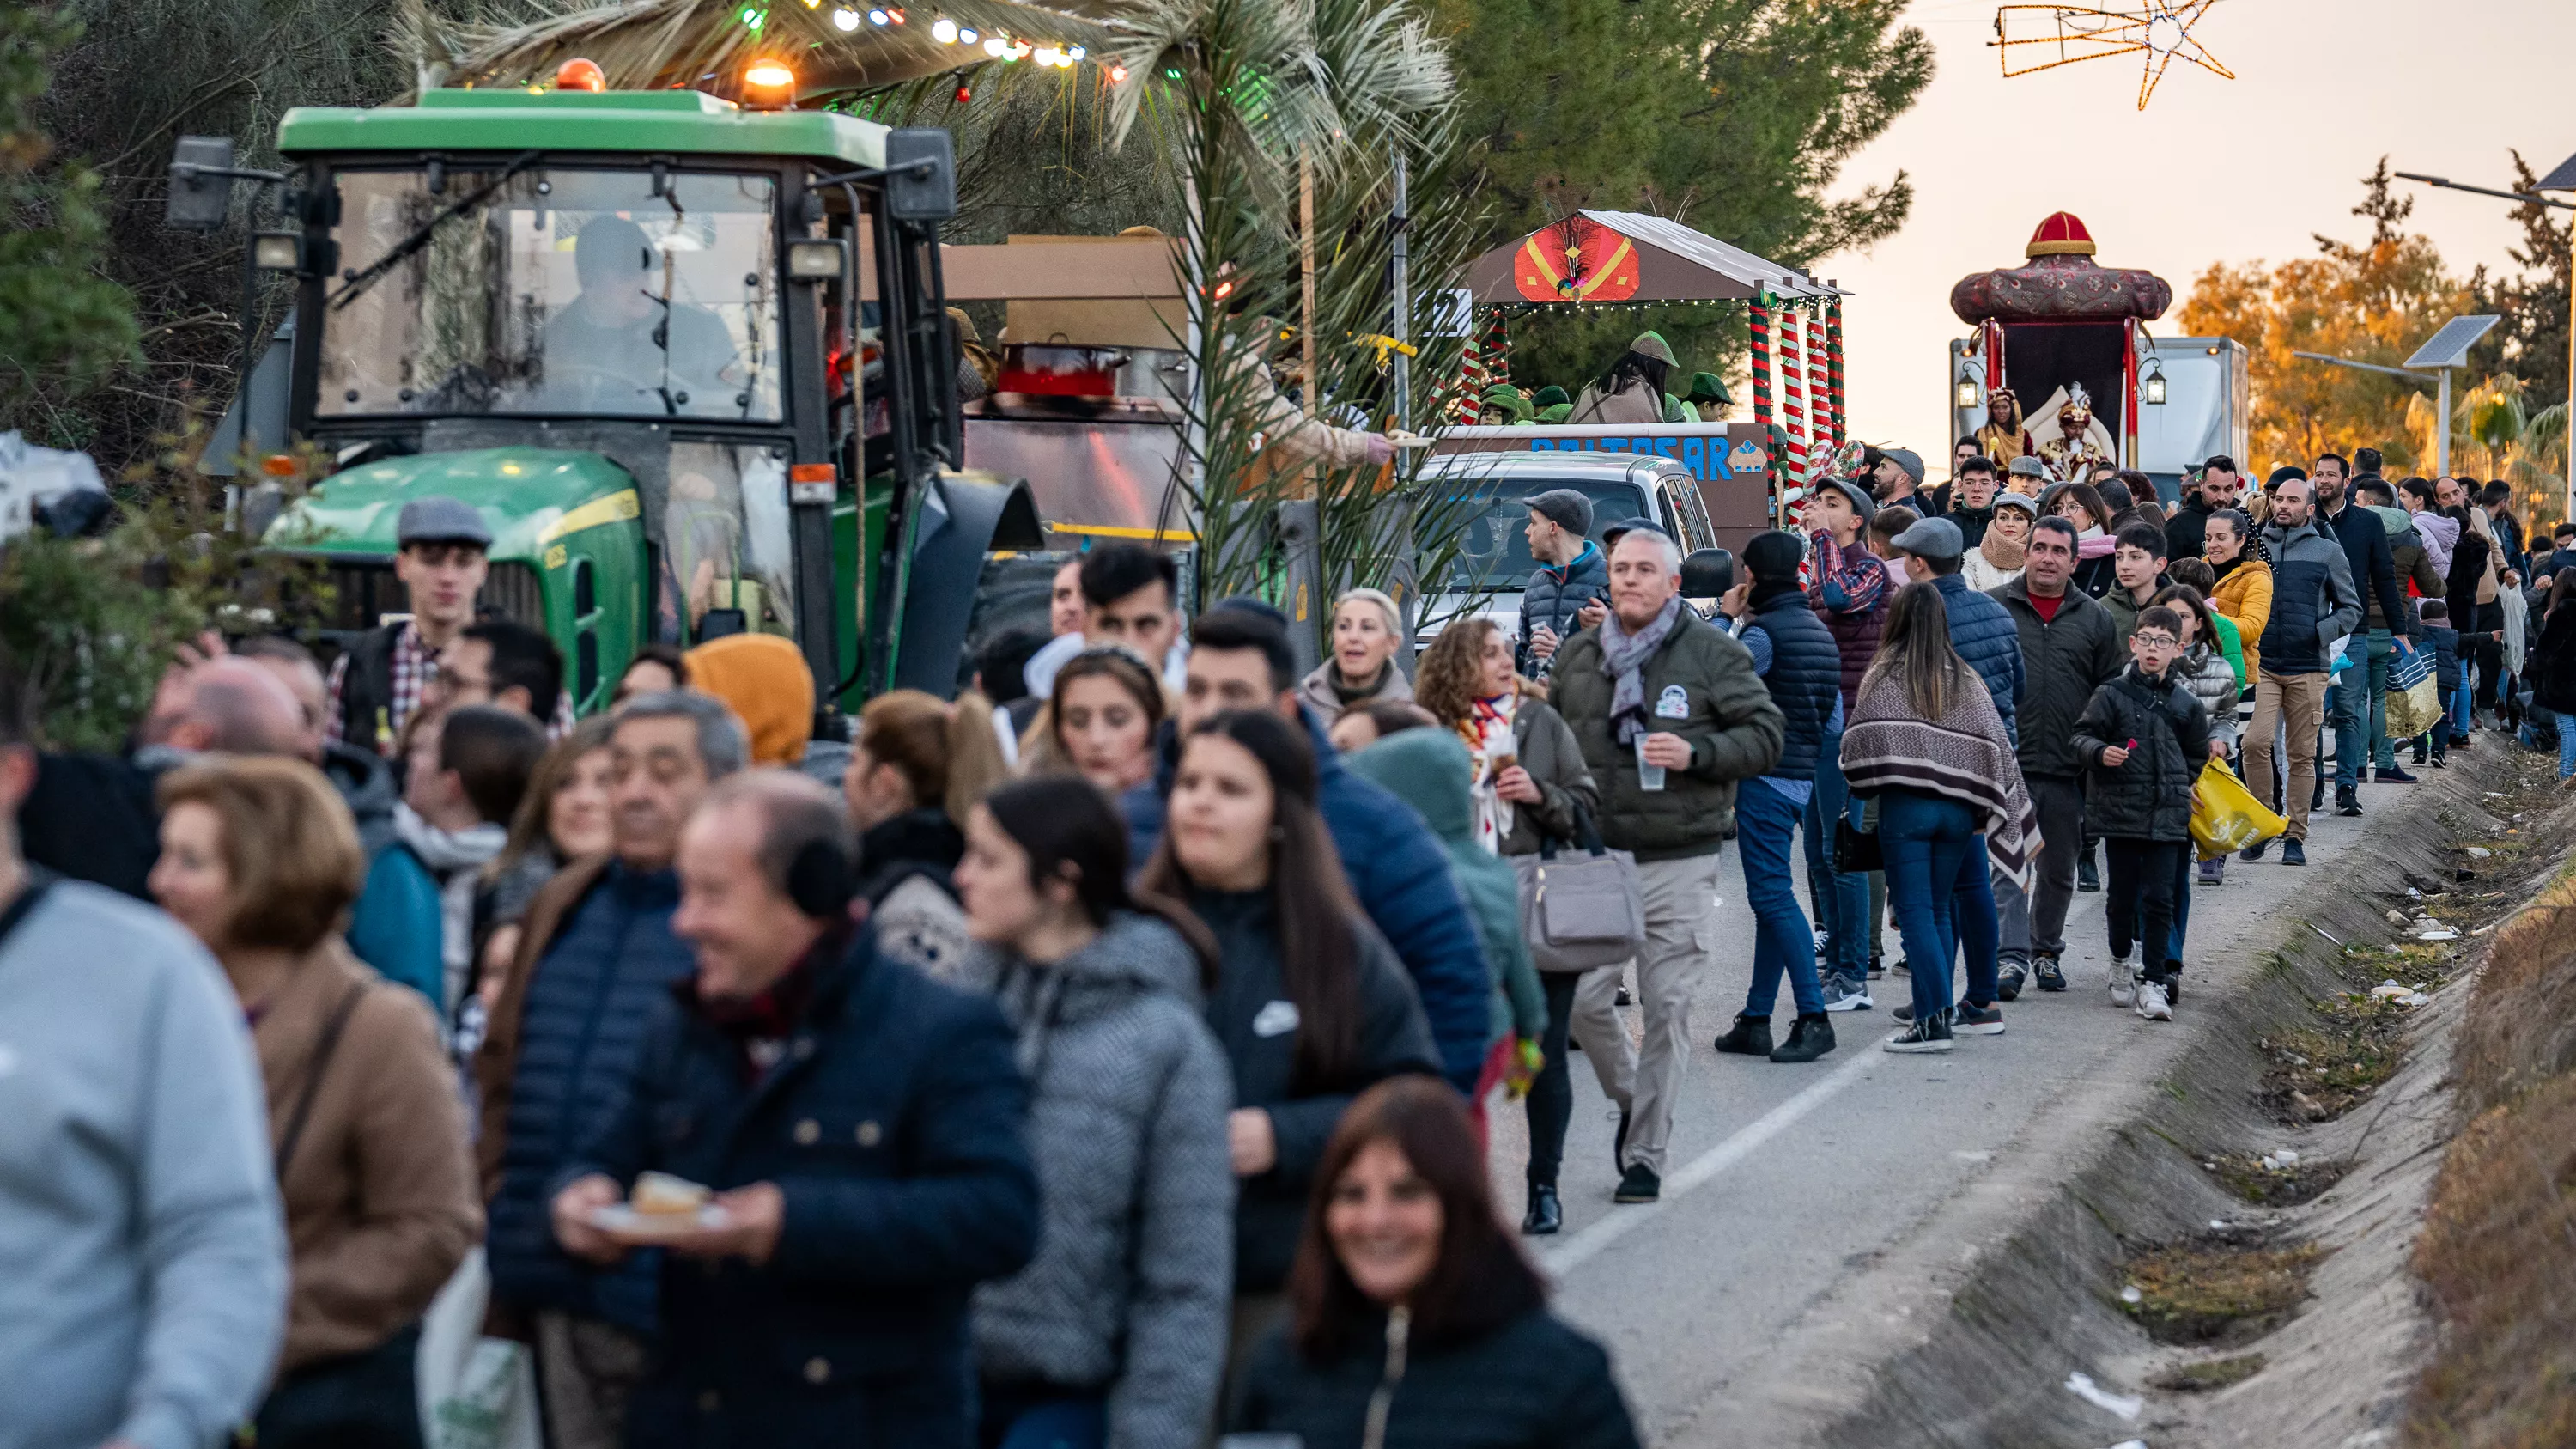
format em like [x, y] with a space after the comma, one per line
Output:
[594, 996]
[894, 1126]
[2313, 598]
[1983, 632]
[1799, 664]
[1556, 593]
[2166, 732]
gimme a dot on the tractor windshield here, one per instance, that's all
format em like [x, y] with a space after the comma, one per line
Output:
[529, 289]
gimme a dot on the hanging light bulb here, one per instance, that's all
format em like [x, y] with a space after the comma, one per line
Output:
[1118, 75]
[1076, 53]
[995, 46]
[964, 95]
[876, 17]
[965, 37]
[944, 30]
[845, 19]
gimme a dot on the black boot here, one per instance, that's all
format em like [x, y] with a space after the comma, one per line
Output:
[2347, 800]
[1750, 1037]
[1546, 1215]
[1810, 1036]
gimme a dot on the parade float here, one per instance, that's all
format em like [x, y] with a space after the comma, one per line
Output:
[1749, 473]
[2062, 366]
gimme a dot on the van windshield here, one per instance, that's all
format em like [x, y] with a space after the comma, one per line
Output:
[527, 289]
[1493, 550]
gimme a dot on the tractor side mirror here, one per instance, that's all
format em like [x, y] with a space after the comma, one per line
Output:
[201, 184]
[921, 174]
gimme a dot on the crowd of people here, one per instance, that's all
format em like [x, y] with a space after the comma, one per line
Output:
[1106, 1056]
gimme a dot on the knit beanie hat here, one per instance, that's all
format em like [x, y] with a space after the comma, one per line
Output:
[765, 680]
[1773, 557]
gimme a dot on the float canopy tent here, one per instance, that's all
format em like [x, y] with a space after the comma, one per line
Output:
[1628, 257]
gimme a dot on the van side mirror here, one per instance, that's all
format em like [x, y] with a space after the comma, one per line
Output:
[201, 184]
[1708, 573]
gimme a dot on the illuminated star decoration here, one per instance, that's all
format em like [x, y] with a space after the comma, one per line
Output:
[2043, 37]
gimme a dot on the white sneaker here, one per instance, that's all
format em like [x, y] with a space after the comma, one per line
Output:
[2124, 983]
[2152, 1005]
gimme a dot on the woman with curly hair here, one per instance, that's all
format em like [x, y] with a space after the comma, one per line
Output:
[1530, 775]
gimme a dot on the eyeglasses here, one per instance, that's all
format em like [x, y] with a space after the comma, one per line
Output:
[2155, 641]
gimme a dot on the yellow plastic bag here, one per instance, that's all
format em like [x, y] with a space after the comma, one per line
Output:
[2411, 711]
[2225, 815]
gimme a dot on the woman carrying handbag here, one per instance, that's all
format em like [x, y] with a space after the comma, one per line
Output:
[260, 860]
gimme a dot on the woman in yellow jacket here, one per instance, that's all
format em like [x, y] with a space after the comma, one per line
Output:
[2244, 593]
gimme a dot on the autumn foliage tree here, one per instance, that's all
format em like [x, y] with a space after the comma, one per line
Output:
[2370, 301]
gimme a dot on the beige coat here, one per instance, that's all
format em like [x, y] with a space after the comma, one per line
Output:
[379, 1194]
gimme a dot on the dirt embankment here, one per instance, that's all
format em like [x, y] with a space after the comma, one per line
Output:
[2238, 1267]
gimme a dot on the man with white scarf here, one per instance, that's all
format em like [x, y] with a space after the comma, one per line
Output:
[1670, 715]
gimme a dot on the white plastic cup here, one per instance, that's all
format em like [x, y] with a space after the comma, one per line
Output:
[1649, 777]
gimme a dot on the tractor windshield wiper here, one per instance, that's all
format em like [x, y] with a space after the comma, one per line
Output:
[411, 245]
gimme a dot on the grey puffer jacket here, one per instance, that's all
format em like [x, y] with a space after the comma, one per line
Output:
[1127, 1123]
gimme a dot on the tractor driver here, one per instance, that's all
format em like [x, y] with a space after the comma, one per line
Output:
[620, 346]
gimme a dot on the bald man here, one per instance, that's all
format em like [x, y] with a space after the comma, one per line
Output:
[92, 817]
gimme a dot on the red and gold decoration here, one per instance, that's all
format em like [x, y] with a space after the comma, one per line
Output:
[2060, 283]
[1576, 260]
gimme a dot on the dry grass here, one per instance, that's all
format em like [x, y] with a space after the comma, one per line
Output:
[2244, 1174]
[2498, 1250]
[2210, 1375]
[2321, 1072]
[2202, 1293]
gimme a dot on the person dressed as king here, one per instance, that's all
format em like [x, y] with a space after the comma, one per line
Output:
[2080, 442]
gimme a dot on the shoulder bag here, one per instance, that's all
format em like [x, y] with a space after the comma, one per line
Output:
[1584, 909]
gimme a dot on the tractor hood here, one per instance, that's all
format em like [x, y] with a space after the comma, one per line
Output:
[529, 497]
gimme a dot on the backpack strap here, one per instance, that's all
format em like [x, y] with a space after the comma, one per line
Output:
[367, 690]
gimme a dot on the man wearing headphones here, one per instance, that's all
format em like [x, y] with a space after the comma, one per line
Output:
[859, 1125]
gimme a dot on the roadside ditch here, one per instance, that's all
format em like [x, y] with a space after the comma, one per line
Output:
[2237, 1266]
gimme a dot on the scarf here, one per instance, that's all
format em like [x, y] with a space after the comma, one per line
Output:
[455, 859]
[2094, 543]
[1352, 694]
[2002, 552]
[1488, 734]
[1962, 756]
[760, 1024]
[1623, 655]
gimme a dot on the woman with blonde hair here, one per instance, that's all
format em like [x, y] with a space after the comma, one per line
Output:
[917, 768]
[1368, 632]
[260, 861]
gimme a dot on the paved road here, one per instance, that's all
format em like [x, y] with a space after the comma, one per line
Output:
[1808, 1210]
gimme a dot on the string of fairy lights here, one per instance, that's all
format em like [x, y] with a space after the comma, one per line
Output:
[995, 44]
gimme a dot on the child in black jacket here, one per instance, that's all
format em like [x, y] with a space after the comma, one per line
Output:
[2146, 737]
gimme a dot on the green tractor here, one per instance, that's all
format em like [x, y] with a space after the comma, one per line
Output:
[689, 360]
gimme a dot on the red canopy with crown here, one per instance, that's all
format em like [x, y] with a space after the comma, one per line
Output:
[2060, 283]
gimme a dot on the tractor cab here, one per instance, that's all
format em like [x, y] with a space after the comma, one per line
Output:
[689, 359]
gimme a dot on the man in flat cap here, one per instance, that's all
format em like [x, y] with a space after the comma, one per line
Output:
[440, 545]
[1572, 576]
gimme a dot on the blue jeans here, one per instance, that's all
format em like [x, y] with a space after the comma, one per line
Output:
[1977, 923]
[1842, 901]
[2361, 708]
[1926, 840]
[2566, 748]
[1764, 822]
[2457, 705]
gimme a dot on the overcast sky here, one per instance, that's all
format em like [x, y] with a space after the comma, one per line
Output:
[2212, 170]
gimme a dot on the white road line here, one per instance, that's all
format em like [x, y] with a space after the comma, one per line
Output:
[1591, 1242]
[1581, 1248]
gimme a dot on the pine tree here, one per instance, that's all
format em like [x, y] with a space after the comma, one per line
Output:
[65, 330]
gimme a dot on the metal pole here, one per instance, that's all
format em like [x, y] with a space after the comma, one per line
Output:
[1403, 280]
[1306, 277]
[2442, 422]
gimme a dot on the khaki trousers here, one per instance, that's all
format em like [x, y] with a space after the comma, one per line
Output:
[1681, 939]
[2297, 701]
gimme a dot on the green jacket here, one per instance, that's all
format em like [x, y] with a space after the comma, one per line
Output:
[1717, 703]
